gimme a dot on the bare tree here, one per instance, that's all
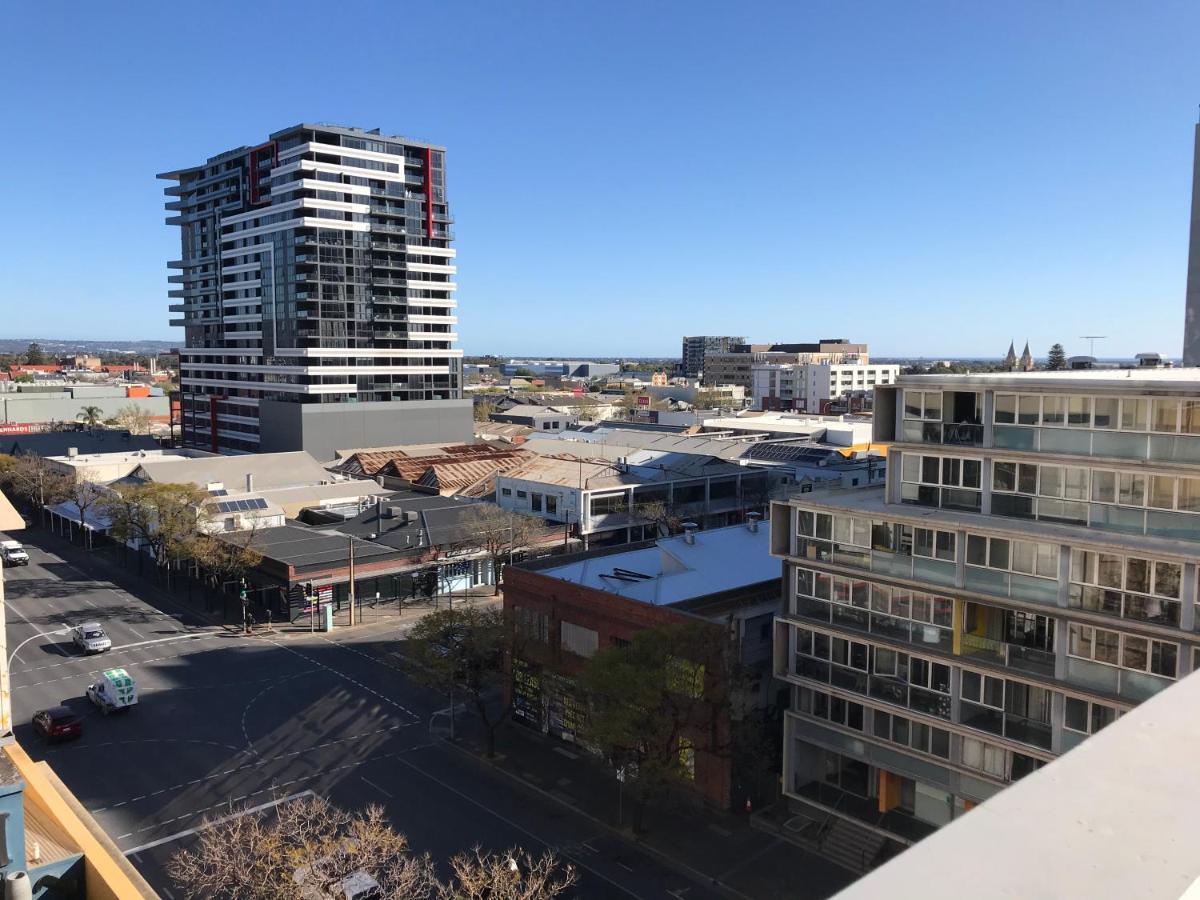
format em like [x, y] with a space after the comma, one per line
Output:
[515, 875]
[498, 533]
[134, 418]
[310, 846]
[34, 480]
[227, 558]
[659, 514]
[86, 494]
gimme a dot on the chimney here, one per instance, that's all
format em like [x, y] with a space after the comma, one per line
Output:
[689, 532]
[72, 452]
[752, 521]
[249, 482]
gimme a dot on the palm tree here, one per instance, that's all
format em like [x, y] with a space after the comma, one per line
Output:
[91, 416]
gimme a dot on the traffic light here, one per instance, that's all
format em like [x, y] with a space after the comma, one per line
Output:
[243, 593]
[308, 589]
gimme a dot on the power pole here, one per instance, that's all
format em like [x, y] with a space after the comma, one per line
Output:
[351, 544]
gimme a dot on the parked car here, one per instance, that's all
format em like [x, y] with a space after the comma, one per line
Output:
[58, 724]
[13, 554]
[90, 638]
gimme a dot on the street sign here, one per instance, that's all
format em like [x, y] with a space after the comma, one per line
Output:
[621, 774]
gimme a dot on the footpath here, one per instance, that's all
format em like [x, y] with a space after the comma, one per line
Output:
[721, 850]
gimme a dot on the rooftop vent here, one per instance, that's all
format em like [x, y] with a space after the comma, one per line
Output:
[752, 520]
[689, 532]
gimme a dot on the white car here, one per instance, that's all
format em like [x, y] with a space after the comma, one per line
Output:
[13, 554]
[90, 638]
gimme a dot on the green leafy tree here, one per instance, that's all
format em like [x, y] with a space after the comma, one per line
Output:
[465, 652]
[1057, 358]
[34, 355]
[484, 410]
[655, 703]
[91, 416]
[164, 517]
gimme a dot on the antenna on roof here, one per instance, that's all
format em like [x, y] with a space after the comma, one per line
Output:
[1093, 338]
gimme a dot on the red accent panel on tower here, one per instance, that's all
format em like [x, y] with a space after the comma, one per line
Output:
[212, 420]
[253, 155]
[428, 193]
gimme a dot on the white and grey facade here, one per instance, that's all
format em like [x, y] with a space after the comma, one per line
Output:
[1027, 576]
[316, 293]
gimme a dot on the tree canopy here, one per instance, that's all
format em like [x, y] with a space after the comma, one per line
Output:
[1057, 358]
[652, 703]
[165, 517]
[34, 355]
[465, 651]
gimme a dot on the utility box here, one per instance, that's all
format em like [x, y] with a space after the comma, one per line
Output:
[327, 616]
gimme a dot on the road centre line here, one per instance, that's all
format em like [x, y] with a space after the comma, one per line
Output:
[189, 832]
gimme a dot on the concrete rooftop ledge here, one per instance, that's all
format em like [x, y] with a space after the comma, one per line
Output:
[1115, 817]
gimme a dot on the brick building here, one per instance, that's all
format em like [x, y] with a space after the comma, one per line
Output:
[569, 610]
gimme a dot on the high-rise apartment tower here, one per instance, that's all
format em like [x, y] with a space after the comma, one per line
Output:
[1191, 322]
[316, 293]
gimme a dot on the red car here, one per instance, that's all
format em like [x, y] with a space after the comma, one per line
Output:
[58, 724]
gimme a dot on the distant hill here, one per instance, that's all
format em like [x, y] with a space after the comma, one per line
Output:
[56, 347]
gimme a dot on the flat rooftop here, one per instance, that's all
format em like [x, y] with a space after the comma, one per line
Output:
[673, 570]
[308, 547]
[1115, 817]
[869, 501]
[1178, 379]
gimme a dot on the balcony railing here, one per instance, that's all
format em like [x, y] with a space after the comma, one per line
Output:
[1014, 656]
[959, 434]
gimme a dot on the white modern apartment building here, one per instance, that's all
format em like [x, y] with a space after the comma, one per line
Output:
[808, 386]
[1027, 576]
[316, 293]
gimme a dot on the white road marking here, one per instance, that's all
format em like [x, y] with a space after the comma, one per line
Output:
[512, 824]
[374, 785]
[174, 637]
[237, 815]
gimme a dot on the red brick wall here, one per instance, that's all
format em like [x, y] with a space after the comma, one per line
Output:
[611, 616]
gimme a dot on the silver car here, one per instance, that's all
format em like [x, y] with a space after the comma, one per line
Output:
[90, 638]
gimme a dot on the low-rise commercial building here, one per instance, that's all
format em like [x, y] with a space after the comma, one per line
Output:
[539, 418]
[570, 608]
[631, 497]
[406, 544]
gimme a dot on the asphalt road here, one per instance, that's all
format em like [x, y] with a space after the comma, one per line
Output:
[225, 722]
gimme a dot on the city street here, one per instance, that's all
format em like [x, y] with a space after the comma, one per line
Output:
[227, 721]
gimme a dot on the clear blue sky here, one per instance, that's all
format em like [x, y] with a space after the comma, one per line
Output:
[933, 178]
